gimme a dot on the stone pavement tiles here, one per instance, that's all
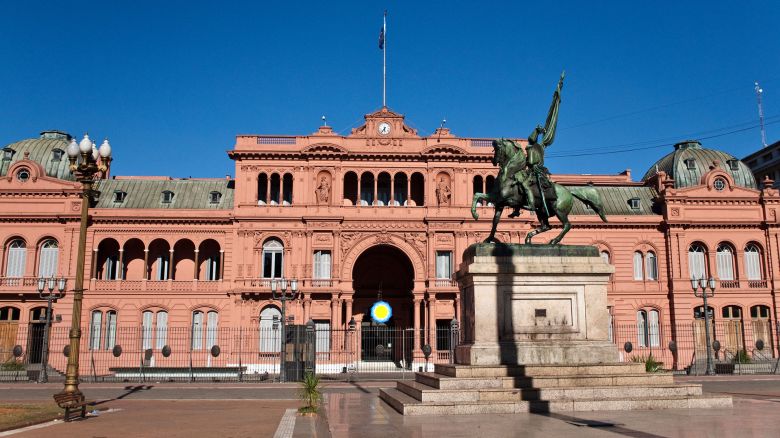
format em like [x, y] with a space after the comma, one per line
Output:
[365, 415]
[176, 419]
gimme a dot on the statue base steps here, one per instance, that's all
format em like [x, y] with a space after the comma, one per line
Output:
[474, 389]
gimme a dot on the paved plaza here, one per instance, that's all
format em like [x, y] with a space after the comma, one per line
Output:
[354, 410]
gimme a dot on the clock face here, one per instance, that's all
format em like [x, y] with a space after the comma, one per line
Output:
[384, 128]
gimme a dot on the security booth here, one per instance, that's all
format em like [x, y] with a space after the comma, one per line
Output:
[300, 357]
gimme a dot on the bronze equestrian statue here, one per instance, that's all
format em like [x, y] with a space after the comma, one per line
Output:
[524, 183]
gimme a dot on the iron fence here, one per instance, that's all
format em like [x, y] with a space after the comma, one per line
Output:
[138, 354]
[738, 346]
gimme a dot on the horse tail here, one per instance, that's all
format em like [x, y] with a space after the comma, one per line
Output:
[590, 197]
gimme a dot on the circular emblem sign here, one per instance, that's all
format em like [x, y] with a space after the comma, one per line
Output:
[381, 312]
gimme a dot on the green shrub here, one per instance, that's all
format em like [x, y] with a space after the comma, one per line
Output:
[651, 365]
[310, 393]
[12, 366]
[742, 357]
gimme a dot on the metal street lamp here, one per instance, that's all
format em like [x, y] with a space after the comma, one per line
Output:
[49, 289]
[704, 283]
[283, 296]
[87, 163]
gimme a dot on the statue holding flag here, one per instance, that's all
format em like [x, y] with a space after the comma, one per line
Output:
[523, 181]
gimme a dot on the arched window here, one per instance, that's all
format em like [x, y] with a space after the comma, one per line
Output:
[17, 259]
[417, 189]
[641, 328]
[651, 266]
[287, 189]
[732, 312]
[725, 262]
[351, 188]
[697, 265]
[47, 263]
[262, 189]
[155, 329]
[367, 189]
[756, 312]
[102, 331]
[478, 186]
[270, 333]
[654, 328]
[204, 323]
[273, 259]
[9, 314]
[275, 188]
[698, 312]
[383, 189]
[752, 262]
[400, 182]
[638, 274]
[605, 256]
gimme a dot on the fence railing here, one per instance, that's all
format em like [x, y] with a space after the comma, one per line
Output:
[738, 346]
[225, 354]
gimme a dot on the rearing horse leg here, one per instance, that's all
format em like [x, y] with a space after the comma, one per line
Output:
[564, 218]
[544, 227]
[477, 197]
[496, 220]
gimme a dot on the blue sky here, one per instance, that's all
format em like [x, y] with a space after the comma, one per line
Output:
[171, 83]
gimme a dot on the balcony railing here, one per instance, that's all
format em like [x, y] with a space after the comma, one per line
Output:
[16, 283]
[321, 282]
[444, 282]
[156, 285]
[756, 284]
[729, 284]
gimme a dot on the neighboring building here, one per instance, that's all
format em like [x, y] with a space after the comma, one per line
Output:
[379, 212]
[765, 163]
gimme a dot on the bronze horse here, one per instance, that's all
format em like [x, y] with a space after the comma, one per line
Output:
[507, 193]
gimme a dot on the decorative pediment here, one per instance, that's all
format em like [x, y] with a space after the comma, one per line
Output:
[324, 148]
[443, 149]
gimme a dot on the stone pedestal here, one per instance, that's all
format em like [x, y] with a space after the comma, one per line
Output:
[534, 304]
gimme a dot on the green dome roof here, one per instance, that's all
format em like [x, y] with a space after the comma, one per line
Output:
[689, 161]
[48, 150]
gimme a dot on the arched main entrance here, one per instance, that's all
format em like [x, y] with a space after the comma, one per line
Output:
[383, 272]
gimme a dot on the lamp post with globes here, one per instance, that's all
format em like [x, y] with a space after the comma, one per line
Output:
[283, 296]
[87, 164]
[704, 283]
[49, 289]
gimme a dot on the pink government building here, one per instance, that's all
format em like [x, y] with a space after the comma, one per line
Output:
[380, 213]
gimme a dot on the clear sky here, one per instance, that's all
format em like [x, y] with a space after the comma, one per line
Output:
[172, 82]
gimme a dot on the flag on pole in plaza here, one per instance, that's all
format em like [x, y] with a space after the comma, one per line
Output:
[382, 38]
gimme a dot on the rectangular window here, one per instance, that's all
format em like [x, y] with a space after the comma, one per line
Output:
[444, 264]
[696, 264]
[211, 329]
[321, 265]
[272, 264]
[443, 334]
[638, 274]
[641, 328]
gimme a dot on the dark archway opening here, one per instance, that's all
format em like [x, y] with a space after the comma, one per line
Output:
[384, 272]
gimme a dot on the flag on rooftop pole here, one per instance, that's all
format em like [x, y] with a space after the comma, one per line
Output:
[384, 59]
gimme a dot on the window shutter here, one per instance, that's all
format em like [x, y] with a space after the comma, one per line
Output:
[146, 328]
[655, 330]
[197, 330]
[110, 329]
[638, 266]
[47, 265]
[696, 264]
[725, 261]
[162, 329]
[17, 258]
[211, 329]
[753, 264]
[94, 332]
[641, 324]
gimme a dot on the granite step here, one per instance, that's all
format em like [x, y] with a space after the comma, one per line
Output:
[439, 381]
[427, 393]
[451, 370]
[408, 405]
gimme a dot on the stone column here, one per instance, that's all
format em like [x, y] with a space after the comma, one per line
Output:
[408, 189]
[170, 264]
[94, 264]
[432, 320]
[376, 182]
[359, 189]
[195, 268]
[416, 323]
[146, 264]
[221, 272]
[306, 307]
[392, 189]
[120, 267]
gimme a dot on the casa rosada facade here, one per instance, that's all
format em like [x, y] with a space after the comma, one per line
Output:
[381, 213]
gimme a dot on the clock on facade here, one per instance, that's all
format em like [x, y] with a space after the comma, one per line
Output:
[383, 128]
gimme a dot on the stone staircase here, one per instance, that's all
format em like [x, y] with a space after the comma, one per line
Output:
[467, 389]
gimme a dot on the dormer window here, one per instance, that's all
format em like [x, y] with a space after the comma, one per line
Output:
[119, 196]
[56, 154]
[167, 197]
[8, 153]
[215, 197]
[634, 203]
[690, 164]
[734, 165]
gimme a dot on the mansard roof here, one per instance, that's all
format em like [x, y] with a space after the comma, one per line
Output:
[188, 194]
[617, 201]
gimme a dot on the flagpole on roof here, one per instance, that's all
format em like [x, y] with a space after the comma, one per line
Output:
[383, 45]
